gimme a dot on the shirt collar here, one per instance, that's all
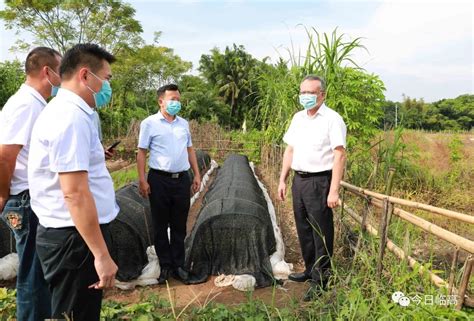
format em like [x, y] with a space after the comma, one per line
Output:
[321, 111]
[34, 92]
[66, 94]
[160, 116]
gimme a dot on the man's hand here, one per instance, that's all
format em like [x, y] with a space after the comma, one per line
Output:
[8, 155]
[333, 199]
[144, 189]
[106, 270]
[196, 183]
[3, 201]
[282, 191]
[109, 153]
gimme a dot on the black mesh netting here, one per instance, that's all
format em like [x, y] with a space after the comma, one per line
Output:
[7, 240]
[131, 233]
[233, 233]
[132, 230]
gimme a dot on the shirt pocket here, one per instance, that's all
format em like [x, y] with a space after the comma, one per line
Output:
[318, 143]
[180, 135]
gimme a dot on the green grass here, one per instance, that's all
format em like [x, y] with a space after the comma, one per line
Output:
[124, 176]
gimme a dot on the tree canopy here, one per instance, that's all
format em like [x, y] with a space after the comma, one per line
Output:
[59, 24]
[454, 114]
[11, 77]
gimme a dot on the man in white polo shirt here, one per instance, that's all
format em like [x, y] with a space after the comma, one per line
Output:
[71, 190]
[168, 138]
[316, 141]
[16, 122]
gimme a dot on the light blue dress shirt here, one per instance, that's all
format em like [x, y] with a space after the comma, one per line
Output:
[167, 142]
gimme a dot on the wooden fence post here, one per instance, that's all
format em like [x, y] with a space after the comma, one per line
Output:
[465, 281]
[385, 221]
[365, 212]
[452, 273]
[406, 243]
[342, 201]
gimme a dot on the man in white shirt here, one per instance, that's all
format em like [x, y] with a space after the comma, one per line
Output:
[168, 138]
[16, 122]
[316, 141]
[71, 190]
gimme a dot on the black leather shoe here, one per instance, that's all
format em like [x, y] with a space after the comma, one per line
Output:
[164, 275]
[193, 279]
[181, 274]
[299, 277]
[313, 292]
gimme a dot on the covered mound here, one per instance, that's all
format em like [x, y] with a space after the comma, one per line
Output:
[233, 233]
[132, 233]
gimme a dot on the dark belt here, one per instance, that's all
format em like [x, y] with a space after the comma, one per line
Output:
[168, 174]
[69, 228]
[310, 174]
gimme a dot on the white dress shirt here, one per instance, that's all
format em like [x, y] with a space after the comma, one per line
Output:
[314, 139]
[16, 123]
[65, 139]
[167, 142]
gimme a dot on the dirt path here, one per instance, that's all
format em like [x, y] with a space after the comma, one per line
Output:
[202, 294]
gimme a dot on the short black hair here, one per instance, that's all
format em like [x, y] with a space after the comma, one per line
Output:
[320, 79]
[84, 54]
[171, 87]
[40, 57]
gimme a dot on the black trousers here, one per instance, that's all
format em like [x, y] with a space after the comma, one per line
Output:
[68, 267]
[169, 201]
[314, 224]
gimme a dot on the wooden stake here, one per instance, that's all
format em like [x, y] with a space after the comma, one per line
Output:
[383, 237]
[342, 202]
[385, 222]
[365, 212]
[406, 243]
[464, 282]
[452, 273]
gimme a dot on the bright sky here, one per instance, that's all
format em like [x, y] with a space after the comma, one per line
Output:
[423, 49]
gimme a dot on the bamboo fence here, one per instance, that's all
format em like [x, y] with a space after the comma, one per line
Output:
[387, 204]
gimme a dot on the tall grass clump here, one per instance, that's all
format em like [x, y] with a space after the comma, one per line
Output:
[352, 92]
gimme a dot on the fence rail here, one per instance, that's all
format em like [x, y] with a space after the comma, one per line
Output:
[387, 204]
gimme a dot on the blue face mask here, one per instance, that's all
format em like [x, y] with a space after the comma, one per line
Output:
[308, 101]
[173, 107]
[54, 89]
[104, 95]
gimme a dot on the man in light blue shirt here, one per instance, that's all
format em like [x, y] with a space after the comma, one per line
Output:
[168, 138]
